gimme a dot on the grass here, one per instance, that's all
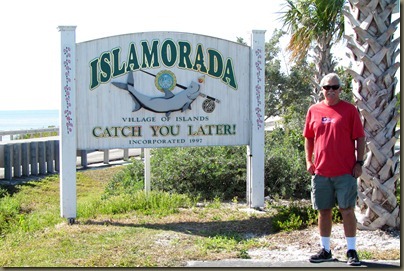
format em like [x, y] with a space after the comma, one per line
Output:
[158, 230]
[128, 230]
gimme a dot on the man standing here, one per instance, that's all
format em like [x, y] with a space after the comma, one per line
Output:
[334, 146]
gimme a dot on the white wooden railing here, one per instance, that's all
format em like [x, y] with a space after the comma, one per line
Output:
[22, 133]
[40, 156]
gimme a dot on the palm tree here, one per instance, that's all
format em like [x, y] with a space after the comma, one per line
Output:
[373, 53]
[314, 22]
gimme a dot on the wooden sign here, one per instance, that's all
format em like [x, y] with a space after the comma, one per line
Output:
[161, 89]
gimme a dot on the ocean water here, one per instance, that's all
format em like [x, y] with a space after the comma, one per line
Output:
[11, 120]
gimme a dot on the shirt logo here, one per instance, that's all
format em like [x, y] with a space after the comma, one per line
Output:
[325, 120]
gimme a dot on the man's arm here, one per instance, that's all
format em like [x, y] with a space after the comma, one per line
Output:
[309, 148]
[360, 152]
[360, 148]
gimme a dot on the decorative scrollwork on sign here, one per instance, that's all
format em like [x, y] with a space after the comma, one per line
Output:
[67, 89]
[258, 111]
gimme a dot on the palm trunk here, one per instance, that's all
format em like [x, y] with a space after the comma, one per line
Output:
[373, 53]
[323, 60]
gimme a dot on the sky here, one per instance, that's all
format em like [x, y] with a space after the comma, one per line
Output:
[30, 70]
[30, 47]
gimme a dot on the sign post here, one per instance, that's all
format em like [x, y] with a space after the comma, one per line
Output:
[68, 145]
[255, 150]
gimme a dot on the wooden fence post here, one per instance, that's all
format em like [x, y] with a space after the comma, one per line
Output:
[25, 159]
[17, 160]
[8, 167]
[49, 157]
[42, 158]
[33, 157]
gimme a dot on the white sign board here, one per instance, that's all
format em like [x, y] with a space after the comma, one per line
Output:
[162, 89]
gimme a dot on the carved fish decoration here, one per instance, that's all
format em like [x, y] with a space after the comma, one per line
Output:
[166, 104]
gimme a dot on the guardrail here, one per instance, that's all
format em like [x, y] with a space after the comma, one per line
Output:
[22, 133]
[38, 156]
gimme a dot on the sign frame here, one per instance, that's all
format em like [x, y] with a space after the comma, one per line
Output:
[81, 87]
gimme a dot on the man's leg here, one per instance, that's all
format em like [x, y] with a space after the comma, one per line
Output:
[324, 226]
[325, 222]
[323, 200]
[349, 221]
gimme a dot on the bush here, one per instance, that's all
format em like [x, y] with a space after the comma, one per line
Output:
[295, 217]
[205, 172]
[124, 193]
[211, 172]
[285, 165]
[3, 192]
[127, 181]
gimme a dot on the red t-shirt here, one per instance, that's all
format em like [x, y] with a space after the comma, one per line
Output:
[334, 129]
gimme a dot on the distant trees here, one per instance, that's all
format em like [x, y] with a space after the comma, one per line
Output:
[315, 26]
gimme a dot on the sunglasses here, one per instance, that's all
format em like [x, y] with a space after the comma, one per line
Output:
[334, 87]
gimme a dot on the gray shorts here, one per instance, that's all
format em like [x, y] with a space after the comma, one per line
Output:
[326, 192]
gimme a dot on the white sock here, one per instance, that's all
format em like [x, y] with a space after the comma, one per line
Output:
[325, 243]
[351, 243]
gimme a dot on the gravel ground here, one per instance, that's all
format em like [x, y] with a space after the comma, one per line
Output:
[300, 245]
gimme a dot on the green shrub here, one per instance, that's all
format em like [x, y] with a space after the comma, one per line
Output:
[37, 135]
[127, 181]
[205, 172]
[125, 193]
[210, 172]
[295, 217]
[285, 166]
[3, 192]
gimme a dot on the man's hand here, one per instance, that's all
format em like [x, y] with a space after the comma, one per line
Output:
[357, 170]
[310, 167]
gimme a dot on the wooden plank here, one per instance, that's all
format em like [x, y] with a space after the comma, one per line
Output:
[17, 160]
[126, 154]
[56, 155]
[83, 156]
[8, 165]
[147, 170]
[49, 157]
[106, 157]
[34, 157]
[25, 158]
[42, 157]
